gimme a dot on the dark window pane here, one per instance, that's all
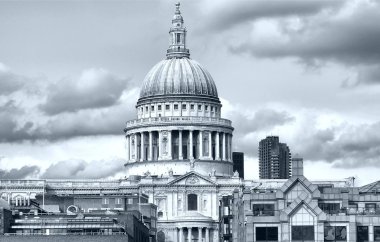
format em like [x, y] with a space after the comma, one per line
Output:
[336, 233]
[297, 233]
[362, 233]
[263, 209]
[261, 234]
[376, 233]
[340, 233]
[308, 232]
[272, 233]
[329, 233]
[266, 234]
[192, 202]
[302, 233]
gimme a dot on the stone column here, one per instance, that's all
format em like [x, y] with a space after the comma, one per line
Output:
[230, 146]
[136, 157]
[160, 145]
[180, 155]
[207, 235]
[200, 144]
[150, 156]
[371, 236]
[191, 155]
[181, 234]
[200, 234]
[170, 144]
[127, 147]
[224, 146]
[189, 234]
[142, 146]
[210, 145]
[217, 147]
[130, 148]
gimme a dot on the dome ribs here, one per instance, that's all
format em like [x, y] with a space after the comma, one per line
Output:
[178, 76]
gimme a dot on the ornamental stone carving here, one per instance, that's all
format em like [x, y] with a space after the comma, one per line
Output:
[192, 180]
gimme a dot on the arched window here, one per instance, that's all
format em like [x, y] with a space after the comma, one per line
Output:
[192, 202]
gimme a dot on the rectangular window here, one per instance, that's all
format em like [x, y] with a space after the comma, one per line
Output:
[268, 234]
[159, 107]
[152, 108]
[106, 201]
[178, 38]
[175, 106]
[370, 208]
[263, 209]
[167, 107]
[199, 107]
[130, 200]
[302, 233]
[146, 108]
[362, 234]
[184, 106]
[118, 201]
[212, 109]
[376, 233]
[206, 108]
[335, 233]
[329, 208]
[192, 106]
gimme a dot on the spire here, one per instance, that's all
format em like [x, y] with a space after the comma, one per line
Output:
[177, 46]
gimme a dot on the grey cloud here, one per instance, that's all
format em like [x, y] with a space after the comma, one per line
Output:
[369, 75]
[228, 15]
[107, 121]
[9, 81]
[79, 169]
[10, 130]
[352, 40]
[346, 147]
[23, 172]
[95, 88]
[262, 120]
[87, 106]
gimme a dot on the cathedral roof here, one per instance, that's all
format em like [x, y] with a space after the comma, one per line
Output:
[178, 75]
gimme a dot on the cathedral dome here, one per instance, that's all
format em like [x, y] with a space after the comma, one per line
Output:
[178, 76]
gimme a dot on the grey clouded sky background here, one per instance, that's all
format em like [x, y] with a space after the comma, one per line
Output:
[308, 71]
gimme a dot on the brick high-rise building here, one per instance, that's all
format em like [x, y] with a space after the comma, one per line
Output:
[274, 159]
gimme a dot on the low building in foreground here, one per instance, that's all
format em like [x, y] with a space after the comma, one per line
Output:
[297, 210]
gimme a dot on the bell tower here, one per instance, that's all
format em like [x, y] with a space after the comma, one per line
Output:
[177, 46]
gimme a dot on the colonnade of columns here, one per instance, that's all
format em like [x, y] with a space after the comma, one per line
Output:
[179, 144]
[21, 201]
[188, 238]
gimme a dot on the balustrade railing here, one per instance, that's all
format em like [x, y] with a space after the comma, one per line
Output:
[179, 120]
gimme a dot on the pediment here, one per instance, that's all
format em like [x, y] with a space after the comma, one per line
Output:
[192, 179]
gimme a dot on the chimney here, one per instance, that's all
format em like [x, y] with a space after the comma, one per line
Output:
[297, 166]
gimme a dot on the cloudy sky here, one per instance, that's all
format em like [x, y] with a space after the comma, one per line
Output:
[308, 71]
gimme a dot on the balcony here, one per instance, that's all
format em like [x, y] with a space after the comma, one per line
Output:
[178, 120]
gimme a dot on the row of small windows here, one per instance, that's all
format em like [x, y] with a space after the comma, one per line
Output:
[176, 107]
[306, 233]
